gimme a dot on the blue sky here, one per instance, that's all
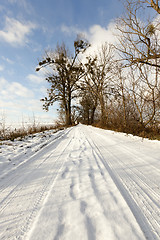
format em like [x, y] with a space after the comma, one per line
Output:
[27, 28]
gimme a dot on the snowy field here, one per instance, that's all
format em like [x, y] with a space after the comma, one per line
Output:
[80, 183]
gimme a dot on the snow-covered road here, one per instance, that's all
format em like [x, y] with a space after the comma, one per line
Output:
[87, 183]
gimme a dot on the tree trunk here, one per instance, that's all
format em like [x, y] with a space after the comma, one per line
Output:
[103, 112]
[92, 114]
[124, 106]
[69, 120]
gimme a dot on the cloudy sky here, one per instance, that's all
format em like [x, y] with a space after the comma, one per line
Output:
[27, 28]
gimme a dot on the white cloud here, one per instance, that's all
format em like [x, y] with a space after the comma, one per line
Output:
[1, 68]
[71, 30]
[19, 90]
[16, 112]
[7, 60]
[13, 90]
[24, 4]
[34, 78]
[156, 23]
[96, 34]
[17, 100]
[16, 32]
[99, 35]
[3, 82]
[13, 105]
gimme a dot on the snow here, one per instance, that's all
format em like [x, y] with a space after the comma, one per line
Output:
[80, 183]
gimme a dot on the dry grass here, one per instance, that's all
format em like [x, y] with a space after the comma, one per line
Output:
[8, 134]
[134, 129]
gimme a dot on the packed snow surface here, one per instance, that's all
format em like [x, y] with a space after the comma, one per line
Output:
[80, 183]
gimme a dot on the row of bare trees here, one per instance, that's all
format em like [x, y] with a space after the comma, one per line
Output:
[119, 86]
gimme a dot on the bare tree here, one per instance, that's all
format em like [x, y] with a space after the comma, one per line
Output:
[88, 104]
[144, 92]
[138, 39]
[98, 74]
[153, 4]
[65, 73]
[120, 92]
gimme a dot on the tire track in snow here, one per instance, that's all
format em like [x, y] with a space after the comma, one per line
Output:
[98, 161]
[140, 192]
[83, 205]
[70, 207]
[80, 202]
[53, 180]
[62, 173]
[147, 227]
[18, 179]
[12, 176]
[91, 157]
[38, 194]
